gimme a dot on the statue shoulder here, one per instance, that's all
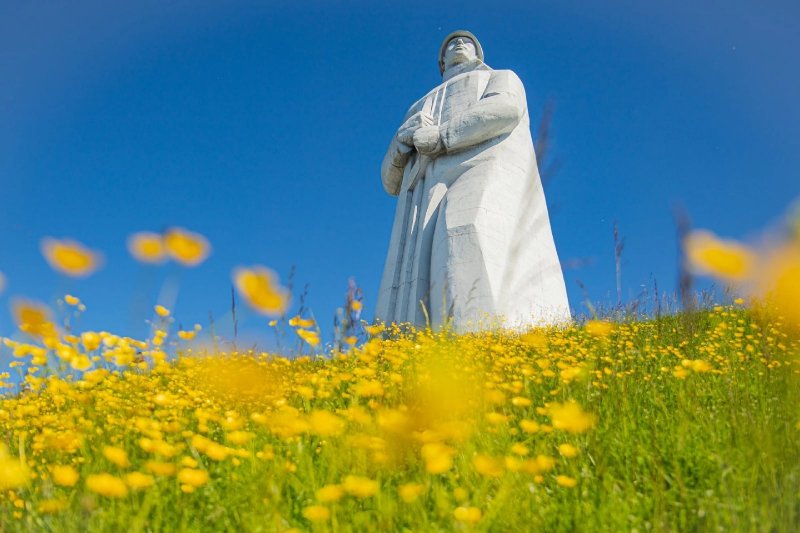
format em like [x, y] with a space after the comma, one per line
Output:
[506, 77]
[506, 82]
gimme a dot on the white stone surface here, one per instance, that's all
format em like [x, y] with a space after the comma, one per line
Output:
[471, 241]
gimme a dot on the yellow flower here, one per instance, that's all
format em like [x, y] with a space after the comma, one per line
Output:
[317, 513]
[160, 469]
[147, 247]
[529, 426]
[64, 475]
[519, 449]
[570, 417]
[51, 506]
[72, 300]
[311, 337]
[468, 515]
[567, 450]
[360, 487]
[107, 485]
[727, 260]
[161, 311]
[330, 493]
[118, 456]
[438, 457]
[185, 247]
[356, 305]
[409, 492]
[599, 328]
[13, 472]
[779, 283]
[70, 257]
[187, 335]
[374, 329]
[566, 481]
[487, 466]
[325, 423]
[139, 481]
[259, 287]
[91, 340]
[33, 318]
[193, 477]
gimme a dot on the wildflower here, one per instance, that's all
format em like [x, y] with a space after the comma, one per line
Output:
[468, 515]
[51, 506]
[374, 330]
[330, 493]
[725, 259]
[567, 450]
[356, 305]
[566, 481]
[487, 466]
[139, 481]
[91, 340]
[64, 475]
[159, 468]
[33, 318]
[529, 426]
[599, 328]
[161, 311]
[187, 335]
[259, 287]
[71, 300]
[193, 477]
[147, 247]
[70, 257]
[187, 248]
[325, 424]
[311, 337]
[779, 283]
[570, 417]
[409, 492]
[13, 472]
[438, 457]
[107, 485]
[361, 487]
[317, 513]
[118, 456]
[519, 401]
[519, 449]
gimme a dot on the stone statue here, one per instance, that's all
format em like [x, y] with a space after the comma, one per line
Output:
[471, 242]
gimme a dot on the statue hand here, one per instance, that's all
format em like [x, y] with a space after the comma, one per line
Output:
[405, 134]
[427, 140]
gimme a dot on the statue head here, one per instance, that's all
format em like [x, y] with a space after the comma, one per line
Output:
[459, 47]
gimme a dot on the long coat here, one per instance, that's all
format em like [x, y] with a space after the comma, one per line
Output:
[471, 241]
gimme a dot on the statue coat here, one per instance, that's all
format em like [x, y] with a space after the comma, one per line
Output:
[471, 239]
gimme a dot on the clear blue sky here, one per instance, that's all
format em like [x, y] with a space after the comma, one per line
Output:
[262, 125]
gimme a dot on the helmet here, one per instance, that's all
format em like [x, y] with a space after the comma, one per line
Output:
[459, 33]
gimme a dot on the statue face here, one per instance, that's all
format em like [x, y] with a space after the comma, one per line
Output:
[459, 50]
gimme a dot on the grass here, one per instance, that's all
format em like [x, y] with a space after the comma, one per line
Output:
[688, 423]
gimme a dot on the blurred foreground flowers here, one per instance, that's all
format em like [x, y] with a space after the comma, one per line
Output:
[768, 273]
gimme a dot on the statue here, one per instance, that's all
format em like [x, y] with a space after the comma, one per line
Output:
[471, 241]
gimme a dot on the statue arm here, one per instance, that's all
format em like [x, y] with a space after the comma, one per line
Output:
[396, 158]
[394, 163]
[498, 112]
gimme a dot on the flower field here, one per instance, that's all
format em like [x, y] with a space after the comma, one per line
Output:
[688, 422]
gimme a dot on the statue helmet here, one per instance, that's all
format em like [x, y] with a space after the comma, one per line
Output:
[458, 33]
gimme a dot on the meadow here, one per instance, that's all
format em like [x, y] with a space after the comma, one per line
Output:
[689, 422]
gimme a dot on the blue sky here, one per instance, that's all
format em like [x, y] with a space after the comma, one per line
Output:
[262, 125]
